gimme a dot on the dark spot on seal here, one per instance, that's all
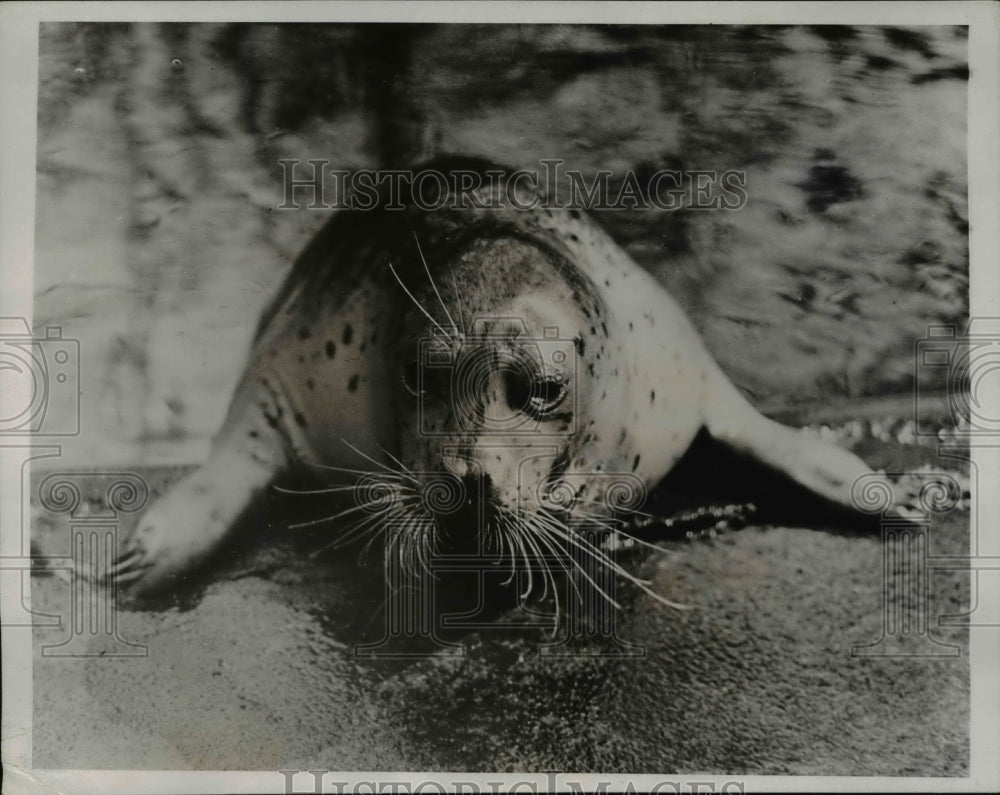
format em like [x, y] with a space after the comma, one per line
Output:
[607, 282]
[590, 368]
[304, 334]
[300, 419]
[253, 434]
[574, 213]
[604, 328]
[578, 342]
[331, 349]
[635, 463]
[593, 330]
[622, 436]
[574, 238]
[302, 359]
[652, 395]
[364, 344]
[352, 385]
[271, 420]
[310, 384]
[348, 334]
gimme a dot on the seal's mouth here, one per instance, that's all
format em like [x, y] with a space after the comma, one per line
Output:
[418, 519]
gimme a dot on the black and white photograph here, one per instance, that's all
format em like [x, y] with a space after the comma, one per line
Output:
[482, 397]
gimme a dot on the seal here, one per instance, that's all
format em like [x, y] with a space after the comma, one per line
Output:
[470, 368]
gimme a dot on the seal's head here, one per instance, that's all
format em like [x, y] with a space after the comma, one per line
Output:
[496, 395]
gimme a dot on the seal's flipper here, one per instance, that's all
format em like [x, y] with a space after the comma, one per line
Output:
[821, 469]
[188, 524]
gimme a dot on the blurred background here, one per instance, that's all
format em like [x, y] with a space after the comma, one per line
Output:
[159, 240]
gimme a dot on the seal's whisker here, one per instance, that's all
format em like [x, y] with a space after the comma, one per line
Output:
[417, 303]
[533, 540]
[458, 297]
[552, 543]
[353, 532]
[379, 464]
[620, 509]
[540, 537]
[505, 533]
[358, 472]
[519, 538]
[378, 528]
[431, 280]
[508, 539]
[563, 531]
[425, 543]
[327, 490]
[402, 467]
[361, 526]
[635, 539]
[395, 543]
[598, 555]
[528, 540]
[339, 515]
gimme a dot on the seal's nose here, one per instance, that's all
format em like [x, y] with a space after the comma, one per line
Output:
[478, 488]
[466, 518]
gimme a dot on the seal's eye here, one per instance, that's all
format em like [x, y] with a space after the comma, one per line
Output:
[536, 396]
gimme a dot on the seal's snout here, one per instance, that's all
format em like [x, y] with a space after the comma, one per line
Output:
[461, 506]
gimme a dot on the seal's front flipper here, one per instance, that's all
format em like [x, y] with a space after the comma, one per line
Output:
[184, 527]
[819, 476]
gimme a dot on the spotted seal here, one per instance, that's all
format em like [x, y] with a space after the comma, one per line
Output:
[517, 355]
